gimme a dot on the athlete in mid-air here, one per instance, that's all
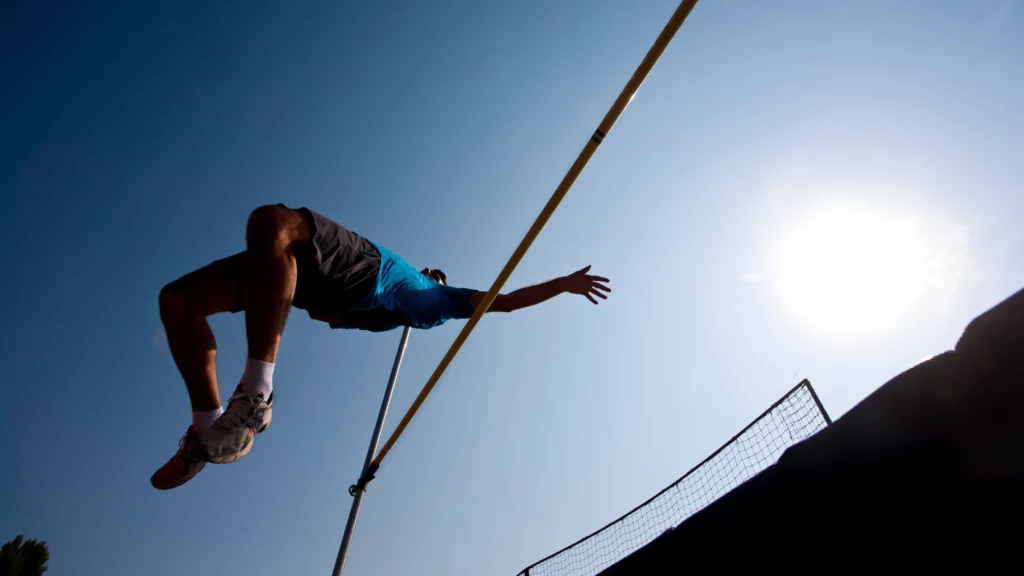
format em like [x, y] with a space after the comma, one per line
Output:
[300, 258]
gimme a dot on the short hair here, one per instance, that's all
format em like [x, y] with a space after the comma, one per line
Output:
[440, 274]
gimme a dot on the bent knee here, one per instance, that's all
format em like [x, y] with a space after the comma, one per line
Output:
[175, 304]
[271, 226]
[265, 222]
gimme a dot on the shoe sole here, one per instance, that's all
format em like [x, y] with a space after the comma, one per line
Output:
[170, 481]
[171, 485]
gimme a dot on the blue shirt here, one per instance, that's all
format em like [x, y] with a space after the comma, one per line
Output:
[406, 297]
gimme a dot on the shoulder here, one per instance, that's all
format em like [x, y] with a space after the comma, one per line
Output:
[461, 293]
[460, 302]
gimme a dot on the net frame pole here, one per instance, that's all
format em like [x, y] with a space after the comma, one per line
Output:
[821, 407]
[623, 100]
[358, 490]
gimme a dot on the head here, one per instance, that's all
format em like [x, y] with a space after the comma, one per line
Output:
[435, 275]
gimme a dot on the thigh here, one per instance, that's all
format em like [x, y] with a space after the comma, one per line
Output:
[216, 287]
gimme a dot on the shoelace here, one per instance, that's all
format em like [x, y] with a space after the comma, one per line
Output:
[242, 409]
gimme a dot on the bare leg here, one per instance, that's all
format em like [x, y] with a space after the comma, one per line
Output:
[184, 306]
[270, 276]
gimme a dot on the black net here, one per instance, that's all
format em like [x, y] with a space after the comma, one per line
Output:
[796, 416]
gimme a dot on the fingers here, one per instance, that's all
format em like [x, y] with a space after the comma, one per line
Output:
[594, 286]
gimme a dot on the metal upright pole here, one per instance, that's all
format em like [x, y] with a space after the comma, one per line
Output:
[358, 490]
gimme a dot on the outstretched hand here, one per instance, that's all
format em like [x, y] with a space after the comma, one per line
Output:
[582, 283]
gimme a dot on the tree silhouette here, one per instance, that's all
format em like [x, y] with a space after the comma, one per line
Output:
[21, 557]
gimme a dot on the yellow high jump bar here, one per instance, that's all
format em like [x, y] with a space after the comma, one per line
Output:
[563, 188]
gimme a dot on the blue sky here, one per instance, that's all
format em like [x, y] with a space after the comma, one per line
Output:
[772, 147]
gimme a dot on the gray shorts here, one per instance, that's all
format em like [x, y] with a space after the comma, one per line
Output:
[336, 270]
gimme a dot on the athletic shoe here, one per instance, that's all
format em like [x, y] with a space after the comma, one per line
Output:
[183, 466]
[230, 438]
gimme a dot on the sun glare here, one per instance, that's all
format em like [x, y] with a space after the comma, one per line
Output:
[847, 269]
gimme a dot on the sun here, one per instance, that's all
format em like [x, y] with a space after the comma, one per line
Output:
[847, 269]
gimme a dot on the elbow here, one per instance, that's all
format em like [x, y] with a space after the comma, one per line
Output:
[501, 304]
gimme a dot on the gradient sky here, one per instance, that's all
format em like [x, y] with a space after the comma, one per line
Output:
[135, 137]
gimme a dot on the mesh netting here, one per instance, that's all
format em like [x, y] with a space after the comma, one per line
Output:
[796, 416]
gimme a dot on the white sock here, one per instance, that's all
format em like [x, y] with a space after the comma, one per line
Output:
[259, 377]
[203, 420]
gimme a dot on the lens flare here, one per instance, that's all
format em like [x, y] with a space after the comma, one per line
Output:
[848, 269]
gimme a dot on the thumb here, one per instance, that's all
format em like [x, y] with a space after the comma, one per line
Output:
[584, 270]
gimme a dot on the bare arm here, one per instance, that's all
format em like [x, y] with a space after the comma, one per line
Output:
[578, 282]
